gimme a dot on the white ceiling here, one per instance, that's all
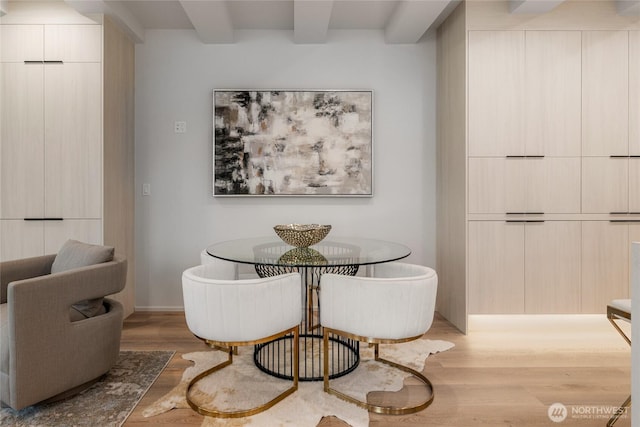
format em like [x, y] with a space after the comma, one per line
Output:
[402, 21]
[215, 21]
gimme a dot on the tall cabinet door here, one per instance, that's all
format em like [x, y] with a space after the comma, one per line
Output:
[634, 93]
[605, 93]
[73, 150]
[553, 99]
[496, 93]
[496, 267]
[552, 267]
[634, 121]
[22, 144]
[605, 264]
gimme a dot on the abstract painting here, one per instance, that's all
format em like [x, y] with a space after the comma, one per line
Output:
[292, 143]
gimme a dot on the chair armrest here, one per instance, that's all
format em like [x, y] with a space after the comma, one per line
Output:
[55, 293]
[20, 269]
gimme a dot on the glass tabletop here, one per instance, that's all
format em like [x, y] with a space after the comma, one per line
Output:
[329, 252]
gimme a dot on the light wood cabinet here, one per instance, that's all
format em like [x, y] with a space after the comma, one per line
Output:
[561, 88]
[22, 143]
[19, 43]
[21, 239]
[496, 93]
[605, 264]
[496, 267]
[552, 267]
[73, 108]
[605, 93]
[634, 93]
[73, 43]
[535, 185]
[634, 185]
[524, 267]
[51, 165]
[605, 185]
[552, 93]
[67, 136]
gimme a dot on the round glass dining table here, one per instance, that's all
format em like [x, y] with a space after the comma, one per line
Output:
[271, 256]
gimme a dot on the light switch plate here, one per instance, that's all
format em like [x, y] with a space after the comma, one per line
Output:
[180, 127]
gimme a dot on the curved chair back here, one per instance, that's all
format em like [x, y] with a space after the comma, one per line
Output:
[224, 269]
[223, 310]
[397, 304]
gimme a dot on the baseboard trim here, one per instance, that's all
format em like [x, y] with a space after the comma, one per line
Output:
[158, 308]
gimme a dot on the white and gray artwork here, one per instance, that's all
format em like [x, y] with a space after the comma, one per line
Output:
[292, 143]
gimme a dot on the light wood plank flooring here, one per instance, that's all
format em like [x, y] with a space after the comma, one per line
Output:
[505, 372]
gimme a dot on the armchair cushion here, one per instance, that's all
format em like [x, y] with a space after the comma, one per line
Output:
[75, 254]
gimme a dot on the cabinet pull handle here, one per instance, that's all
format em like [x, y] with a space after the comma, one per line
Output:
[44, 219]
[624, 220]
[634, 157]
[525, 220]
[53, 62]
[33, 62]
[534, 220]
[525, 213]
[618, 157]
[634, 213]
[537, 156]
[514, 220]
[618, 213]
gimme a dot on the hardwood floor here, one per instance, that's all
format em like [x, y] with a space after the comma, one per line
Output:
[506, 372]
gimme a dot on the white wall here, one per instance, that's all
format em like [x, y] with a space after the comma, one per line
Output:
[175, 78]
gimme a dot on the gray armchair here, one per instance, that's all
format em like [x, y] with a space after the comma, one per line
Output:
[48, 350]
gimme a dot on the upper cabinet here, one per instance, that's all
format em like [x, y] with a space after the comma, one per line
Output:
[68, 43]
[552, 97]
[605, 93]
[496, 93]
[524, 93]
[86, 46]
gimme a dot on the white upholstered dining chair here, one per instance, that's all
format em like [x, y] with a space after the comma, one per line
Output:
[230, 313]
[396, 305]
[224, 269]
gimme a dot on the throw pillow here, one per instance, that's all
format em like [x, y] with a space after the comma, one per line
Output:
[75, 254]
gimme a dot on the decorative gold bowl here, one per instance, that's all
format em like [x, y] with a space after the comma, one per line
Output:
[302, 235]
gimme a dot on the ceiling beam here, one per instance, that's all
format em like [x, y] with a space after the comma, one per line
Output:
[628, 7]
[412, 18]
[118, 13]
[211, 20]
[533, 6]
[311, 20]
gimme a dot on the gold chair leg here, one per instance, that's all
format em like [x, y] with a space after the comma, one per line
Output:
[619, 412]
[619, 329]
[212, 412]
[378, 409]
